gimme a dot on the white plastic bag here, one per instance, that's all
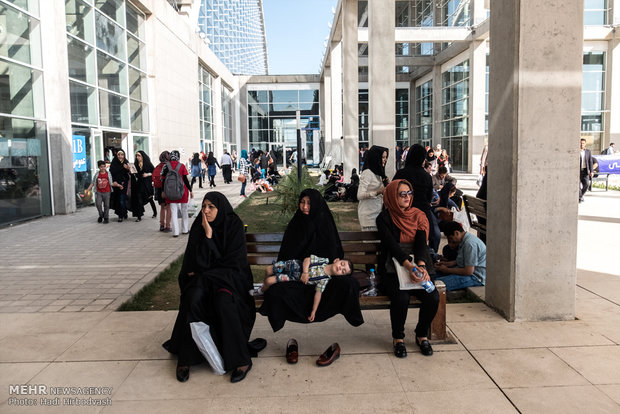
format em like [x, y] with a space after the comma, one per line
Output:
[192, 208]
[461, 217]
[479, 180]
[202, 336]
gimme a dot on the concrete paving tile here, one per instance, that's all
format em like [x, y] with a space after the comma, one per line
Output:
[598, 364]
[73, 308]
[612, 391]
[561, 400]
[590, 310]
[17, 374]
[442, 371]
[471, 312]
[35, 347]
[137, 321]
[506, 335]
[117, 346]
[527, 368]
[57, 323]
[490, 401]
[52, 308]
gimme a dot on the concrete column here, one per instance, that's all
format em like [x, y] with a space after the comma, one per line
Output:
[437, 134]
[350, 89]
[326, 111]
[335, 147]
[57, 103]
[218, 139]
[535, 95]
[613, 94]
[382, 77]
[477, 79]
[243, 117]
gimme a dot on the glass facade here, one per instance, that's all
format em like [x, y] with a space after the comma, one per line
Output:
[107, 76]
[364, 120]
[24, 169]
[424, 13]
[402, 117]
[455, 114]
[593, 99]
[424, 114]
[272, 120]
[205, 109]
[595, 12]
[236, 33]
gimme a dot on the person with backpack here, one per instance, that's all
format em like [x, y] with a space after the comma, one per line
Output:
[164, 214]
[176, 191]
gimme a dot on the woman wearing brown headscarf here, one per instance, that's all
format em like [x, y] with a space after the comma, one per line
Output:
[403, 232]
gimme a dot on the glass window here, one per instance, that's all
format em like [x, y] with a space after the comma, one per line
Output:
[595, 12]
[136, 52]
[24, 177]
[113, 110]
[110, 36]
[81, 60]
[29, 5]
[139, 116]
[79, 20]
[135, 21]
[455, 108]
[137, 85]
[290, 97]
[111, 73]
[83, 103]
[21, 90]
[113, 9]
[362, 13]
[309, 96]
[16, 32]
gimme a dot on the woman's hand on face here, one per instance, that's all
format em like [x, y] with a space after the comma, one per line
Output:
[126, 166]
[206, 225]
[190, 274]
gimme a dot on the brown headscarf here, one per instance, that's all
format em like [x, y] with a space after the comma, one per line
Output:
[409, 220]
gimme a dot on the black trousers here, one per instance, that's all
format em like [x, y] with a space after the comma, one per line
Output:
[227, 173]
[399, 306]
[584, 179]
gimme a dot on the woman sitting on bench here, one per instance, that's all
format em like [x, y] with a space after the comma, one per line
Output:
[403, 229]
[311, 231]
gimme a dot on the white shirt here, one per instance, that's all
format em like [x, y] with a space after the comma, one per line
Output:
[370, 203]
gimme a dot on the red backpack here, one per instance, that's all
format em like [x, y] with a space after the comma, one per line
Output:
[157, 182]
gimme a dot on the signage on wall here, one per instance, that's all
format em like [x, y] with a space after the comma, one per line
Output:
[79, 153]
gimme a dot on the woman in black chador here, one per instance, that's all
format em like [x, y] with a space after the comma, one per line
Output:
[142, 185]
[311, 231]
[215, 282]
[119, 168]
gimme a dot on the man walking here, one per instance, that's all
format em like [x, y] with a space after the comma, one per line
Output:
[586, 170]
[226, 164]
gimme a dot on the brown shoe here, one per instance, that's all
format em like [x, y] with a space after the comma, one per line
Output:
[292, 351]
[330, 355]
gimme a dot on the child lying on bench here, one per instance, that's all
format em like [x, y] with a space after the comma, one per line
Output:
[313, 270]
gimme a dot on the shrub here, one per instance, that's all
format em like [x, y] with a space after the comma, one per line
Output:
[287, 192]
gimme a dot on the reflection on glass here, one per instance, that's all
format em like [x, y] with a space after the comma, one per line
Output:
[113, 110]
[113, 9]
[21, 90]
[16, 30]
[83, 103]
[139, 116]
[135, 21]
[81, 60]
[284, 96]
[110, 37]
[79, 19]
[24, 180]
[137, 85]
[135, 52]
[29, 5]
[111, 73]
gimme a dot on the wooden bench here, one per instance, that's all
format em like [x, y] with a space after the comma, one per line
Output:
[478, 208]
[361, 248]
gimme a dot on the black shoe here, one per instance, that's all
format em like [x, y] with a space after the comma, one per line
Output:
[105, 221]
[182, 373]
[100, 219]
[256, 346]
[425, 347]
[154, 215]
[120, 219]
[138, 219]
[400, 351]
[239, 375]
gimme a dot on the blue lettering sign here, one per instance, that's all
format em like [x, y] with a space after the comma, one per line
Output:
[79, 153]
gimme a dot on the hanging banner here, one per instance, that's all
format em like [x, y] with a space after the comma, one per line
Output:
[79, 153]
[608, 164]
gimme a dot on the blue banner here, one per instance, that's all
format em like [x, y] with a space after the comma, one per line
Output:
[79, 153]
[608, 164]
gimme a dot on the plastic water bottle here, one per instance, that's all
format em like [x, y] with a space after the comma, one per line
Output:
[427, 284]
[372, 291]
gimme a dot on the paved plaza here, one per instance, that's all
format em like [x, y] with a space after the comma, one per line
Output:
[63, 276]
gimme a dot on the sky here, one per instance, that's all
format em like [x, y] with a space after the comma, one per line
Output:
[296, 30]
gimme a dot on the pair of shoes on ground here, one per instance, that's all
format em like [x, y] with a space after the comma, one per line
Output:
[326, 358]
[400, 350]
